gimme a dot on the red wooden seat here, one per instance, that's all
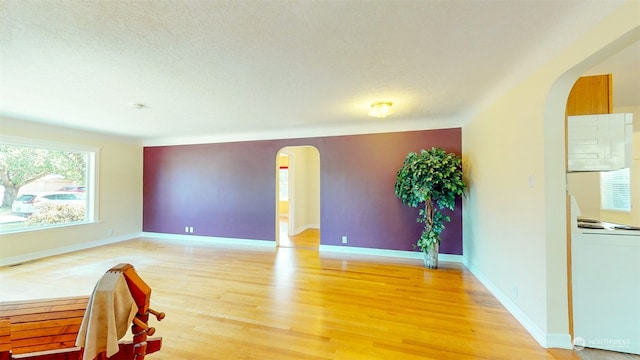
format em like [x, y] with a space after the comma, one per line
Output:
[47, 329]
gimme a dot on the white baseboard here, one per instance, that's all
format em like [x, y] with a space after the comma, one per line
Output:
[219, 240]
[322, 248]
[389, 253]
[560, 341]
[306, 227]
[211, 239]
[546, 340]
[65, 249]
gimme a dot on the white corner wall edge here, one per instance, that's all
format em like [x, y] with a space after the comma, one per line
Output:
[562, 341]
[65, 249]
[389, 253]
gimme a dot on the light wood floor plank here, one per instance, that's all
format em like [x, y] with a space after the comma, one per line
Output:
[243, 302]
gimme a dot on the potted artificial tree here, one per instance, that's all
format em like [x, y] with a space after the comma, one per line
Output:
[430, 180]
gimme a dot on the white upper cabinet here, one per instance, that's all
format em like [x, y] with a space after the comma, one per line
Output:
[600, 142]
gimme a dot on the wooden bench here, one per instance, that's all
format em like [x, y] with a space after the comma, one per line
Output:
[42, 325]
[47, 329]
[5, 339]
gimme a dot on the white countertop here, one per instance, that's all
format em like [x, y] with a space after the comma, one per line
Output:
[609, 229]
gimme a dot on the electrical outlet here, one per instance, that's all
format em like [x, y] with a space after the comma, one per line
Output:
[191, 229]
[186, 229]
[109, 232]
[344, 239]
[514, 291]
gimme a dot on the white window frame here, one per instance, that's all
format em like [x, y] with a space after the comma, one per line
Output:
[610, 199]
[92, 214]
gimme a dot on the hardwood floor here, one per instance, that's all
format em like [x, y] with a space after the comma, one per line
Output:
[309, 238]
[253, 302]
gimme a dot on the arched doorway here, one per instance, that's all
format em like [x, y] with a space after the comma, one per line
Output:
[555, 159]
[298, 197]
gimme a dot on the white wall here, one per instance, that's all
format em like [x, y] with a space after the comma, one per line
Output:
[120, 196]
[585, 187]
[306, 170]
[514, 155]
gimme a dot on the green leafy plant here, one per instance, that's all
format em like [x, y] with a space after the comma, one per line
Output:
[430, 180]
[57, 214]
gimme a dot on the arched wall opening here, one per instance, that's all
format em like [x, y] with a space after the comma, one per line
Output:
[514, 215]
[297, 193]
[557, 203]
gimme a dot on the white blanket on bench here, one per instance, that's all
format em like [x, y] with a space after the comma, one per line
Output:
[109, 314]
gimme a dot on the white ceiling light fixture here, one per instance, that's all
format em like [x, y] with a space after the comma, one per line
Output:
[381, 109]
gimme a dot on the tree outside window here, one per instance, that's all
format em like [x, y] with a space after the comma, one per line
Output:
[43, 186]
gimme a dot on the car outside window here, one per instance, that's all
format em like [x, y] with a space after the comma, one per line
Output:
[43, 185]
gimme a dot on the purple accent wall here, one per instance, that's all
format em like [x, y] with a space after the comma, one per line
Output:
[228, 189]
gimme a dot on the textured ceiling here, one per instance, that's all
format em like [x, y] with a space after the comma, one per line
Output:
[251, 69]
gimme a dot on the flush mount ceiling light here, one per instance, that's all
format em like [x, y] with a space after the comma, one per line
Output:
[380, 109]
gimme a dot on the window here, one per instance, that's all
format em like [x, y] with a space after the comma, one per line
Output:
[284, 183]
[44, 185]
[615, 190]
